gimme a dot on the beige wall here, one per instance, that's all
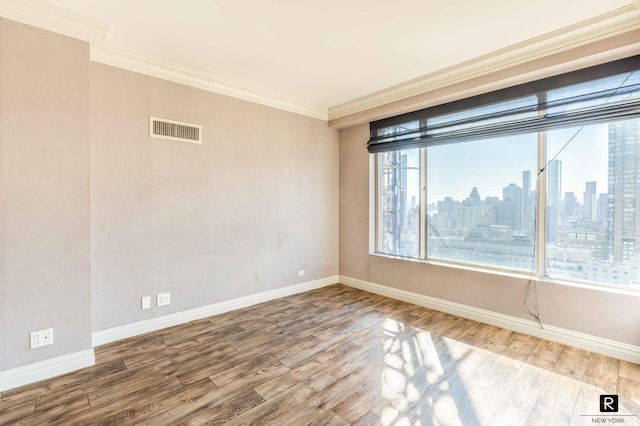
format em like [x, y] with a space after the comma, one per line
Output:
[237, 215]
[96, 214]
[3, 338]
[45, 192]
[588, 310]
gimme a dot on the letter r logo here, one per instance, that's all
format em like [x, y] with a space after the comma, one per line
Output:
[608, 403]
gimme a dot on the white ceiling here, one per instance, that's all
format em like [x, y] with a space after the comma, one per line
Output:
[315, 55]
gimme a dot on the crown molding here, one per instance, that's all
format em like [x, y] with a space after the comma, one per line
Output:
[52, 18]
[204, 80]
[62, 21]
[608, 25]
[150, 66]
[264, 97]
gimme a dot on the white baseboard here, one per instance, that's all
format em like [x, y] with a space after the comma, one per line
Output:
[47, 369]
[572, 338]
[140, 327]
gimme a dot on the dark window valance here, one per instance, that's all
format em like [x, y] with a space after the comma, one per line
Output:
[603, 93]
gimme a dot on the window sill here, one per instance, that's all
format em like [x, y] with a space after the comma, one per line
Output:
[610, 288]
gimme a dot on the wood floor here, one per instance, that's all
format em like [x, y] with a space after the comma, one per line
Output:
[334, 356]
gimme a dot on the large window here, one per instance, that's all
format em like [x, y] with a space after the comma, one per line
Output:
[542, 178]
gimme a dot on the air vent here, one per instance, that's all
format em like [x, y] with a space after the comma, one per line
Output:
[174, 130]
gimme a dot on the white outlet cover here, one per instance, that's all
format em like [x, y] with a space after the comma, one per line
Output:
[41, 338]
[301, 273]
[146, 302]
[163, 299]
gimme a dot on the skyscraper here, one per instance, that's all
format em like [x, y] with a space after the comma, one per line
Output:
[526, 187]
[474, 198]
[554, 184]
[603, 207]
[624, 198]
[554, 197]
[570, 204]
[528, 222]
[590, 202]
[512, 195]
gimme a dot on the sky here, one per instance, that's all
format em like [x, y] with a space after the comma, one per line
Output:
[490, 165]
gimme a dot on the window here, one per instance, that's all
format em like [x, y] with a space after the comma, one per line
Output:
[578, 202]
[398, 201]
[460, 182]
[483, 210]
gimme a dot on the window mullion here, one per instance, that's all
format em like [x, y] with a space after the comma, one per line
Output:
[541, 196]
[375, 194]
[541, 206]
[423, 229]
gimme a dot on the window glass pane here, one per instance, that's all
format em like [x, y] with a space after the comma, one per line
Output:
[593, 204]
[399, 202]
[481, 202]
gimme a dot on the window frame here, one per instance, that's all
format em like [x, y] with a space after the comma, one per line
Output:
[376, 222]
[540, 270]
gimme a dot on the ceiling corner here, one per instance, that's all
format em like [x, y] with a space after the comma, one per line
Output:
[55, 19]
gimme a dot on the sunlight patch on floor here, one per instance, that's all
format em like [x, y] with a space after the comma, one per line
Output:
[438, 380]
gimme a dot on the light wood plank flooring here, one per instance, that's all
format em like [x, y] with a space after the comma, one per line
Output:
[334, 356]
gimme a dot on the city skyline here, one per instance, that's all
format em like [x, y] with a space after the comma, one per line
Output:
[455, 163]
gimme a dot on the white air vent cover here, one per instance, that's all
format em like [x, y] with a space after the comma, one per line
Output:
[174, 130]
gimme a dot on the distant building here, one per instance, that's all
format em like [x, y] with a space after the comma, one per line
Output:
[528, 203]
[569, 208]
[474, 198]
[512, 205]
[590, 202]
[575, 241]
[554, 197]
[526, 187]
[623, 200]
[603, 207]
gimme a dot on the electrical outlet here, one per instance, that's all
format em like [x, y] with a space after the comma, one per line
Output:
[41, 338]
[146, 302]
[301, 273]
[163, 299]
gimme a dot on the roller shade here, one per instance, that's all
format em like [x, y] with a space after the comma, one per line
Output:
[604, 93]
